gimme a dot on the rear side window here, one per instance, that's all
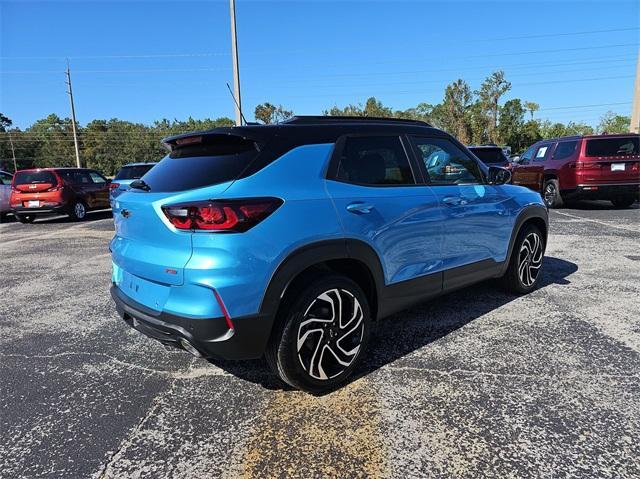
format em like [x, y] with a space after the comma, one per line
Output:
[565, 149]
[612, 147]
[97, 178]
[542, 153]
[374, 161]
[217, 160]
[133, 172]
[35, 177]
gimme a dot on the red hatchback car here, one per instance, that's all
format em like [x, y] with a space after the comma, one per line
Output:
[603, 167]
[70, 191]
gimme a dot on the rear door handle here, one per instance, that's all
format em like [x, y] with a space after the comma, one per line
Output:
[454, 201]
[361, 208]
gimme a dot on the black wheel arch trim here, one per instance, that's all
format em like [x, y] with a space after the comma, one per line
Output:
[529, 212]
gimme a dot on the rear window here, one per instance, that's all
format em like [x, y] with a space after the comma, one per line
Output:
[34, 177]
[133, 172]
[612, 147]
[489, 155]
[217, 160]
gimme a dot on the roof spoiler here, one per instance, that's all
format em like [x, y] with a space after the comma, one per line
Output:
[171, 143]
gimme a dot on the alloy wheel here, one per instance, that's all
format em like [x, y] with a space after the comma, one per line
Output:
[550, 194]
[79, 210]
[330, 334]
[530, 259]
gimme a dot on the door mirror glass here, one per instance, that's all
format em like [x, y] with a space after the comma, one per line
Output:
[499, 176]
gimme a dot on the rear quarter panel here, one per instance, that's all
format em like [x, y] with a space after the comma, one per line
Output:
[241, 265]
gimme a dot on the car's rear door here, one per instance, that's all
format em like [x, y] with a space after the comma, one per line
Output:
[379, 201]
[101, 189]
[476, 217]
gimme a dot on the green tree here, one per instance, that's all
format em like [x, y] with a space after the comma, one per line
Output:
[531, 107]
[491, 90]
[457, 101]
[372, 108]
[611, 122]
[511, 123]
[53, 137]
[268, 113]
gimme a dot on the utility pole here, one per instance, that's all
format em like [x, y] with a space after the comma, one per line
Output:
[234, 54]
[13, 153]
[73, 116]
[635, 107]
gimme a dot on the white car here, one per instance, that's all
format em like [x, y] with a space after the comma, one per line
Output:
[5, 193]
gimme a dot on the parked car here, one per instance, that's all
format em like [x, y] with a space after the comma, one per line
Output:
[5, 193]
[604, 167]
[127, 174]
[69, 191]
[293, 240]
[491, 155]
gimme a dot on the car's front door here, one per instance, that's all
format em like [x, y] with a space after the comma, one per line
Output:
[529, 172]
[378, 200]
[476, 216]
[5, 191]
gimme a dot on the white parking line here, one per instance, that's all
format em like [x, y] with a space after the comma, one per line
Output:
[604, 223]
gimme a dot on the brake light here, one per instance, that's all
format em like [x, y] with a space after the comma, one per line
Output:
[113, 186]
[232, 216]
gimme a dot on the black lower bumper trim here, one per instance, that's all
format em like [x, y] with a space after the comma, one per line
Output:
[211, 337]
[40, 211]
[601, 192]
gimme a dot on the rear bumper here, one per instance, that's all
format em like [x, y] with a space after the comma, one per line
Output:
[47, 210]
[602, 191]
[211, 337]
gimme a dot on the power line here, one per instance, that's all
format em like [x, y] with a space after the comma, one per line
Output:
[271, 52]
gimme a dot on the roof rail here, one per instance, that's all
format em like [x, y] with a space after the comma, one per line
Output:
[314, 120]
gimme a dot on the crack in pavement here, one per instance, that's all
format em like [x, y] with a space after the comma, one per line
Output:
[191, 373]
[104, 471]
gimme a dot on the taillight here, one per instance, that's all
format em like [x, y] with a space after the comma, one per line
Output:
[586, 165]
[113, 186]
[232, 216]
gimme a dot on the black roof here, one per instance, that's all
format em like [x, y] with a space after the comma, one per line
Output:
[315, 129]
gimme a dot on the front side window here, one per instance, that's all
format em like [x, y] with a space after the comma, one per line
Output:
[446, 164]
[527, 156]
[565, 149]
[374, 161]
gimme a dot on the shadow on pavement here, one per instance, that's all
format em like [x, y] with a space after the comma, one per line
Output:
[91, 216]
[417, 327]
[597, 205]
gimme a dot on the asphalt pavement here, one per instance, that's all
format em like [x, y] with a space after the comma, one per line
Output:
[478, 383]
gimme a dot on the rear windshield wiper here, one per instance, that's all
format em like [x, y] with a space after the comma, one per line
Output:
[140, 185]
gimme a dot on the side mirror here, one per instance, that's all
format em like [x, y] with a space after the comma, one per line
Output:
[515, 159]
[498, 176]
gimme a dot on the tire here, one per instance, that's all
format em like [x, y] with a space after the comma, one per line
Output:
[623, 201]
[551, 194]
[525, 264]
[78, 211]
[313, 348]
[25, 218]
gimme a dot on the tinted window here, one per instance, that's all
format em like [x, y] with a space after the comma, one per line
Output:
[612, 147]
[565, 149]
[35, 177]
[375, 161]
[133, 172]
[75, 177]
[446, 164]
[218, 159]
[489, 155]
[97, 178]
[5, 179]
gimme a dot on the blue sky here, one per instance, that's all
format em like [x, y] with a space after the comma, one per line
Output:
[146, 60]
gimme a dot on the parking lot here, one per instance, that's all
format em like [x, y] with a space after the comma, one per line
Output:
[477, 383]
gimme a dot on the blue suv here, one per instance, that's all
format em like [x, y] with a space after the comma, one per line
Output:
[291, 241]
